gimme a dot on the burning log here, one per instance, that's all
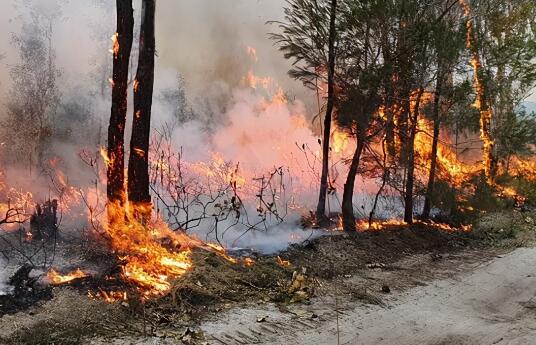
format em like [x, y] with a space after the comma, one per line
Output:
[44, 221]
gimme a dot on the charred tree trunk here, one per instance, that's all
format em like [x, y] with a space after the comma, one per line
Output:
[435, 143]
[408, 197]
[348, 218]
[321, 207]
[138, 166]
[116, 130]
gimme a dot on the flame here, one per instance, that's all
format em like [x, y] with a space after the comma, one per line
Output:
[147, 262]
[451, 168]
[55, 278]
[152, 254]
[115, 45]
[339, 140]
[139, 152]
[254, 82]
[107, 159]
[248, 262]
[282, 262]
[523, 168]
[363, 225]
[110, 296]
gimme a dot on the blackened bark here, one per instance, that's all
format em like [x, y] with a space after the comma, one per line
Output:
[408, 197]
[348, 218]
[116, 130]
[435, 144]
[321, 207]
[138, 165]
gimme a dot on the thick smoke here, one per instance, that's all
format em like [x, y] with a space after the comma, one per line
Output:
[200, 92]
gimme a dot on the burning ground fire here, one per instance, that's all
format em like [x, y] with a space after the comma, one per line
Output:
[152, 255]
[364, 226]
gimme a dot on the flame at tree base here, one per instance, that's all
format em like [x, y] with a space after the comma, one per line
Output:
[152, 255]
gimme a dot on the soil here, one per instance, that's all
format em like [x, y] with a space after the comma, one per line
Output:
[333, 278]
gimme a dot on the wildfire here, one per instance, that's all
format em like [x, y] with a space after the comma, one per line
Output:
[149, 261]
[379, 225]
[455, 170]
[339, 140]
[394, 223]
[524, 168]
[55, 278]
[254, 82]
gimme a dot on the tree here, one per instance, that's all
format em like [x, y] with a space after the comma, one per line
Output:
[356, 115]
[138, 166]
[34, 96]
[500, 37]
[518, 136]
[362, 80]
[309, 37]
[116, 130]
[447, 45]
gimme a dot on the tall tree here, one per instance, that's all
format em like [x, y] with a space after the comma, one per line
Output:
[362, 81]
[122, 45]
[321, 207]
[447, 44]
[138, 166]
[309, 37]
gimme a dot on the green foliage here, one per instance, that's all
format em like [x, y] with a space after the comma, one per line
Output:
[304, 39]
[485, 196]
[517, 134]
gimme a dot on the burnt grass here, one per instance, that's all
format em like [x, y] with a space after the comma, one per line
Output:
[362, 266]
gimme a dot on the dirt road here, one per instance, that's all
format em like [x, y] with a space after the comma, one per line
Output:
[494, 303]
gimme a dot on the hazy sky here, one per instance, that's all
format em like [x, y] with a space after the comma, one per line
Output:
[204, 40]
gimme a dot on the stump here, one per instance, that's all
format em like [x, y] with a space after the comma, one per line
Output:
[44, 222]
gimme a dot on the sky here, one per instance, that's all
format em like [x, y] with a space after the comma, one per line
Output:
[203, 40]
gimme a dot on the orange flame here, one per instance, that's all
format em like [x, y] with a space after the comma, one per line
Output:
[115, 45]
[55, 278]
[282, 262]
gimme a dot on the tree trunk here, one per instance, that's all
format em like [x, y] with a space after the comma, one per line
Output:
[408, 198]
[116, 130]
[435, 142]
[348, 218]
[321, 207]
[138, 165]
[482, 101]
